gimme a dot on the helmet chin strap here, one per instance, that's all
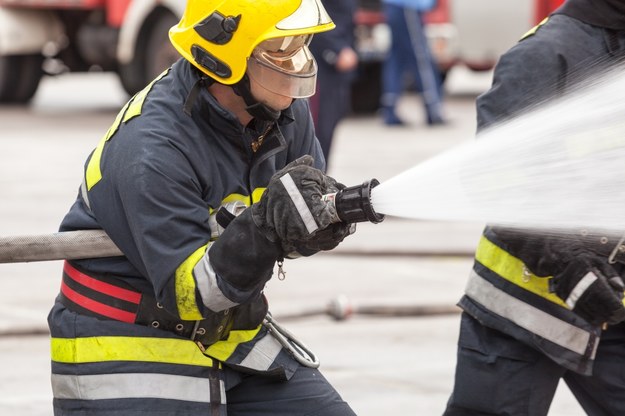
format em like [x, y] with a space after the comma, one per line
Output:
[256, 109]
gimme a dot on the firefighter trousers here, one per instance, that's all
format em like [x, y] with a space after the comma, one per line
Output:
[498, 375]
[307, 393]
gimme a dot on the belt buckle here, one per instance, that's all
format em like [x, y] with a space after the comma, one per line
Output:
[198, 331]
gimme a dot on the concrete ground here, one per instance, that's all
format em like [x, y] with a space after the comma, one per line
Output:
[381, 365]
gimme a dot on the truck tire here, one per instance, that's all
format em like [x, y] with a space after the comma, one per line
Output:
[153, 53]
[19, 77]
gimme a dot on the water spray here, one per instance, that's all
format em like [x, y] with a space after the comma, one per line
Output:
[555, 168]
[559, 167]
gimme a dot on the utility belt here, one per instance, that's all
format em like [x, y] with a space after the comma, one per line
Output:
[106, 297]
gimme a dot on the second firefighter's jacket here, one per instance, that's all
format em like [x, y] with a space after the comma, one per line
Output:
[501, 292]
[171, 159]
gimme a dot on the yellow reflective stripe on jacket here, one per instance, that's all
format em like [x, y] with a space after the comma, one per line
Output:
[513, 270]
[130, 110]
[222, 350]
[245, 199]
[93, 173]
[146, 349]
[185, 287]
[258, 192]
[134, 109]
[533, 30]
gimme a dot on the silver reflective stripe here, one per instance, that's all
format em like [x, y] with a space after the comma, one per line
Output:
[526, 316]
[83, 192]
[300, 204]
[132, 386]
[580, 288]
[206, 278]
[263, 354]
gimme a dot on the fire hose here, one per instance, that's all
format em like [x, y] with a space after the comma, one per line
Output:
[353, 204]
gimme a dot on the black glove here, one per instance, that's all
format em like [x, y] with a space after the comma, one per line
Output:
[327, 238]
[323, 240]
[243, 258]
[584, 280]
[292, 212]
[591, 288]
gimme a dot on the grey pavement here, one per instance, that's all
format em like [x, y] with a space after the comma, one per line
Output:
[381, 365]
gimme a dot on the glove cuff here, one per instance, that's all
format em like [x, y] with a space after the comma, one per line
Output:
[243, 256]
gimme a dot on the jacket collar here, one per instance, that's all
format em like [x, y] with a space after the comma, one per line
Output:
[608, 14]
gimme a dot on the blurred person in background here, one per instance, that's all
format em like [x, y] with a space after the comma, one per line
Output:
[410, 54]
[206, 180]
[539, 308]
[337, 61]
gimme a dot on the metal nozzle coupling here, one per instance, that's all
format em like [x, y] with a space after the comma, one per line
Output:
[353, 204]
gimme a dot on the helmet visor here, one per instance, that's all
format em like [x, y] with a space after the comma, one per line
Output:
[285, 66]
[310, 13]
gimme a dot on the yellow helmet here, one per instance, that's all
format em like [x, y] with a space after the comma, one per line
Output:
[218, 36]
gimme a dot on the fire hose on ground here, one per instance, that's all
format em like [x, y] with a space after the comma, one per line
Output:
[352, 204]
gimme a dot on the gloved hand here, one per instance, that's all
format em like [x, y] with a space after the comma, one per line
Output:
[584, 280]
[323, 240]
[244, 255]
[292, 212]
[591, 288]
[327, 238]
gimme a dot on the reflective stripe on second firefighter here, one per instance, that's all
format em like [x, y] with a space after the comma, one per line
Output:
[502, 284]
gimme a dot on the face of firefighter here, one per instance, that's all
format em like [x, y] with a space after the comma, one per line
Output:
[271, 99]
[282, 69]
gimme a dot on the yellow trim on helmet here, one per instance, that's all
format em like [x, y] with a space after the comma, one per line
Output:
[256, 21]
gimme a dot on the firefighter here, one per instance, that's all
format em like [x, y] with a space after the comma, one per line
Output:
[206, 180]
[540, 307]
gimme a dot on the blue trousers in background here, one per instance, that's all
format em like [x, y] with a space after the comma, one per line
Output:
[410, 54]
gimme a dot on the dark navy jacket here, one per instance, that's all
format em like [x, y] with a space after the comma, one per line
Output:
[502, 293]
[163, 171]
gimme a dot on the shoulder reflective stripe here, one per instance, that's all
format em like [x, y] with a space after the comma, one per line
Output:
[300, 204]
[133, 385]
[132, 109]
[102, 349]
[212, 297]
[222, 350]
[263, 354]
[513, 270]
[185, 287]
[534, 29]
[526, 316]
[139, 98]
[93, 174]
[257, 193]
[580, 288]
